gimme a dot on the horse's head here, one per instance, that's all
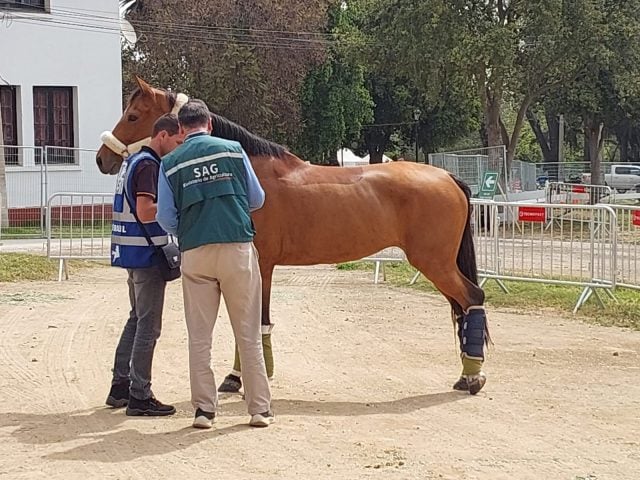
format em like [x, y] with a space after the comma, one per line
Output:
[132, 131]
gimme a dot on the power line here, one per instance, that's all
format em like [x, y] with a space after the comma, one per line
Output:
[87, 14]
[205, 35]
[212, 39]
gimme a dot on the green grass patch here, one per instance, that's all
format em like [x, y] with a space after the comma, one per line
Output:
[17, 267]
[530, 297]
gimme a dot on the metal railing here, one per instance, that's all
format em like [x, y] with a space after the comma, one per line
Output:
[78, 227]
[471, 165]
[591, 246]
[628, 247]
[25, 178]
[547, 243]
[34, 174]
[578, 194]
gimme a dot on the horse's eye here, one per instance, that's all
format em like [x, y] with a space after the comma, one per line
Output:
[132, 118]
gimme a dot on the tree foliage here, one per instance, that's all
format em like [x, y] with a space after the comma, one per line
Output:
[335, 101]
[246, 59]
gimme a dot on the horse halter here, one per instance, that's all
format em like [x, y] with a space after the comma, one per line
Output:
[115, 145]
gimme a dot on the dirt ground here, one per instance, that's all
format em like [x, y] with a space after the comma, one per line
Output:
[362, 390]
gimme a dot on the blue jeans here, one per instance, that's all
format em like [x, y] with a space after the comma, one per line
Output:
[134, 354]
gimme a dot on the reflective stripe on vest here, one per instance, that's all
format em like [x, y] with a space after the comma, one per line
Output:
[129, 246]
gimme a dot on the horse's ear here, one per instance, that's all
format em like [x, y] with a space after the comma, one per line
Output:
[145, 88]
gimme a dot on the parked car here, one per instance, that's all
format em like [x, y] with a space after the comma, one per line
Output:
[621, 178]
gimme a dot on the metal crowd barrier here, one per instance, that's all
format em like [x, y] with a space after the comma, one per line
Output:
[547, 243]
[628, 248]
[391, 254]
[578, 194]
[78, 227]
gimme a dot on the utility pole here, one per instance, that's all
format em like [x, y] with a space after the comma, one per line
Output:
[4, 207]
[416, 117]
[561, 138]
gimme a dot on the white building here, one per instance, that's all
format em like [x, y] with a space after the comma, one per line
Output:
[60, 86]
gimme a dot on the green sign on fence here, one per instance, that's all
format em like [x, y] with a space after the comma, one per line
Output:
[488, 185]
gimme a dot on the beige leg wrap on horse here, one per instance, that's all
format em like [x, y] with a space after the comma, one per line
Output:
[268, 357]
[471, 366]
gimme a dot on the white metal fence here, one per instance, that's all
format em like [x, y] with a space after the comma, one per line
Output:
[591, 246]
[628, 247]
[578, 194]
[547, 243]
[25, 177]
[471, 165]
[78, 227]
[33, 174]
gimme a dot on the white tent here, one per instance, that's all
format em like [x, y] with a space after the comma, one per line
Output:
[385, 159]
[346, 158]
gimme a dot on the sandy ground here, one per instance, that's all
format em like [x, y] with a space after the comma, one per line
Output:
[362, 390]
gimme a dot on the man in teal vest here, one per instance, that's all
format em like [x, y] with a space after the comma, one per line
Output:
[207, 189]
[134, 211]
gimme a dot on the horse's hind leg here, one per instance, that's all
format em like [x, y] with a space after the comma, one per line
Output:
[466, 300]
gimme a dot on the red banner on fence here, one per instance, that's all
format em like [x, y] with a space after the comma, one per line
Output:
[579, 189]
[636, 218]
[532, 214]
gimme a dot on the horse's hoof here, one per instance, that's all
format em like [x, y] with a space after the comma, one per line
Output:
[476, 383]
[461, 385]
[231, 384]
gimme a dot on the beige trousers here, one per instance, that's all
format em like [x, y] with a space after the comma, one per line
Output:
[230, 269]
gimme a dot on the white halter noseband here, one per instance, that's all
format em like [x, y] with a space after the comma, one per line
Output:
[125, 151]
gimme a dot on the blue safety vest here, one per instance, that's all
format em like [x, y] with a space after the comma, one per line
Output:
[129, 246]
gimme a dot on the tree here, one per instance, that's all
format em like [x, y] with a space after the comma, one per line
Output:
[247, 59]
[606, 93]
[334, 100]
[509, 50]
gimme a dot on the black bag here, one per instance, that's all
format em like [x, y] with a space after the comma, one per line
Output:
[169, 260]
[168, 254]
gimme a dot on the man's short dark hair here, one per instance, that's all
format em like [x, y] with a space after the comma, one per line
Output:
[168, 123]
[194, 113]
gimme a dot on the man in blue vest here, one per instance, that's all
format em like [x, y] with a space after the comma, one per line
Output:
[206, 191]
[136, 193]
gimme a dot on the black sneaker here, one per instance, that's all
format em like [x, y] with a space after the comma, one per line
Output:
[231, 384]
[203, 419]
[150, 407]
[118, 395]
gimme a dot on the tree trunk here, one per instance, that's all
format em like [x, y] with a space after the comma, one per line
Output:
[622, 134]
[517, 128]
[494, 132]
[553, 124]
[4, 206]
[376, 140]
[593, 133]
[542, 137]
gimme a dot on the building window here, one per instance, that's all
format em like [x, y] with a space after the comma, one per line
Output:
[23, 5]
[53, 123]
[9, 124]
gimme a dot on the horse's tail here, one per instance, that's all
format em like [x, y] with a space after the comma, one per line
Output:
[467, 253]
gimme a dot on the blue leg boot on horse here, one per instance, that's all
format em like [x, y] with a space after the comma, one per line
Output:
[473, 335]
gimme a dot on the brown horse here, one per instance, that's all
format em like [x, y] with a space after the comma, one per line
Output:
[322, 215]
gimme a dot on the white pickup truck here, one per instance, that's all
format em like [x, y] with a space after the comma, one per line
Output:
[621, 178]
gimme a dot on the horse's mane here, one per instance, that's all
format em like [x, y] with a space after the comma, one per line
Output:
[251, 143]
[224, 128]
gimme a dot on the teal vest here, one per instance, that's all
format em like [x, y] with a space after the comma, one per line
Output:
[209, 183]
